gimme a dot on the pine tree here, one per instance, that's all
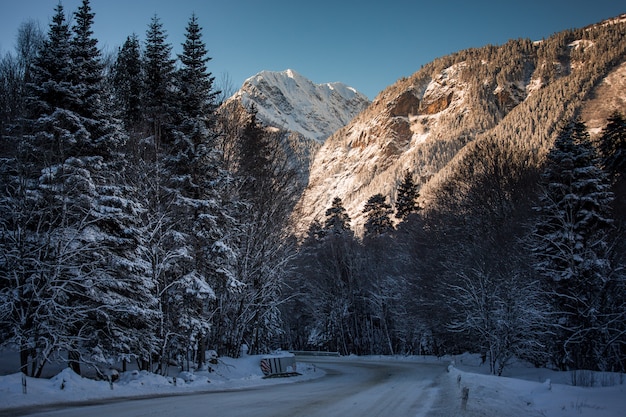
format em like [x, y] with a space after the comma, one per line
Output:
[86, 68]
[255, 164]
[195, 183]
[28, 245]
[613, 145]
[571, 247]
[127, 81]
[158, 80]
[377, 213]
[195, 82]
[337, 219]
[51, 70]
[193, 130]
[406, 200]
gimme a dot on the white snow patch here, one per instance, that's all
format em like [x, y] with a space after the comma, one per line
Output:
[584, 43]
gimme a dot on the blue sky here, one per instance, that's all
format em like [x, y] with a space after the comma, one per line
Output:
[365, 44]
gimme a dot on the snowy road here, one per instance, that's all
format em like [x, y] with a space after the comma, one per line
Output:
[350, 388]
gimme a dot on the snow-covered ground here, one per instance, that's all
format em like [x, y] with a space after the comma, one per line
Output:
[67, 386]
[524, 391]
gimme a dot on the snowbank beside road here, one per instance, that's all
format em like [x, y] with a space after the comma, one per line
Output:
[529, 391]
[524, 390]
[68, 387]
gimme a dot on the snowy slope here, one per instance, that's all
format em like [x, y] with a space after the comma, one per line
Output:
[289, 101]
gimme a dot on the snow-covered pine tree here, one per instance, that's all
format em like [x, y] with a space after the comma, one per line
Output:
[86, 66]
[51, 135]
[94, 288]
[407, 195]
[53, 60]
[571, 247]
[196, 180]
[49, 139]
[126, 311]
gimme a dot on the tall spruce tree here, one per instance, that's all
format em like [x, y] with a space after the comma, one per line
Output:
[52, 66]
[613, 146]
[377, 212]
[406, 200]
[164, 245]
[86, 68]
[195, 83]
[196, 182]
[571, 247]
[158, 80]
[337, 219]
[29, 224]
[127, 82]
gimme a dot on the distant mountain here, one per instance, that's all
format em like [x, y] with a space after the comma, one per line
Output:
[288, 101]
[513, 96]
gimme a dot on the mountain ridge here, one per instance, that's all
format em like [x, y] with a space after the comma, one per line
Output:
[288, 101]
[518, 92]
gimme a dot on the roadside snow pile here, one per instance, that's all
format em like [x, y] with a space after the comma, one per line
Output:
[524, 390]
[67, 386]
[528, 391]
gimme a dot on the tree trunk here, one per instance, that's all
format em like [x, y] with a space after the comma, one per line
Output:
[73, 361]
[24, 353]
[201, 352]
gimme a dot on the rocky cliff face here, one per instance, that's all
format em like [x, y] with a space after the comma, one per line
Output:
[520, 92]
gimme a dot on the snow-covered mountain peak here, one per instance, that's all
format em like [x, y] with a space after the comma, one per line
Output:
[290, 101]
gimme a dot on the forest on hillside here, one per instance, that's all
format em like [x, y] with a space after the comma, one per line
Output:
[140, 221]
